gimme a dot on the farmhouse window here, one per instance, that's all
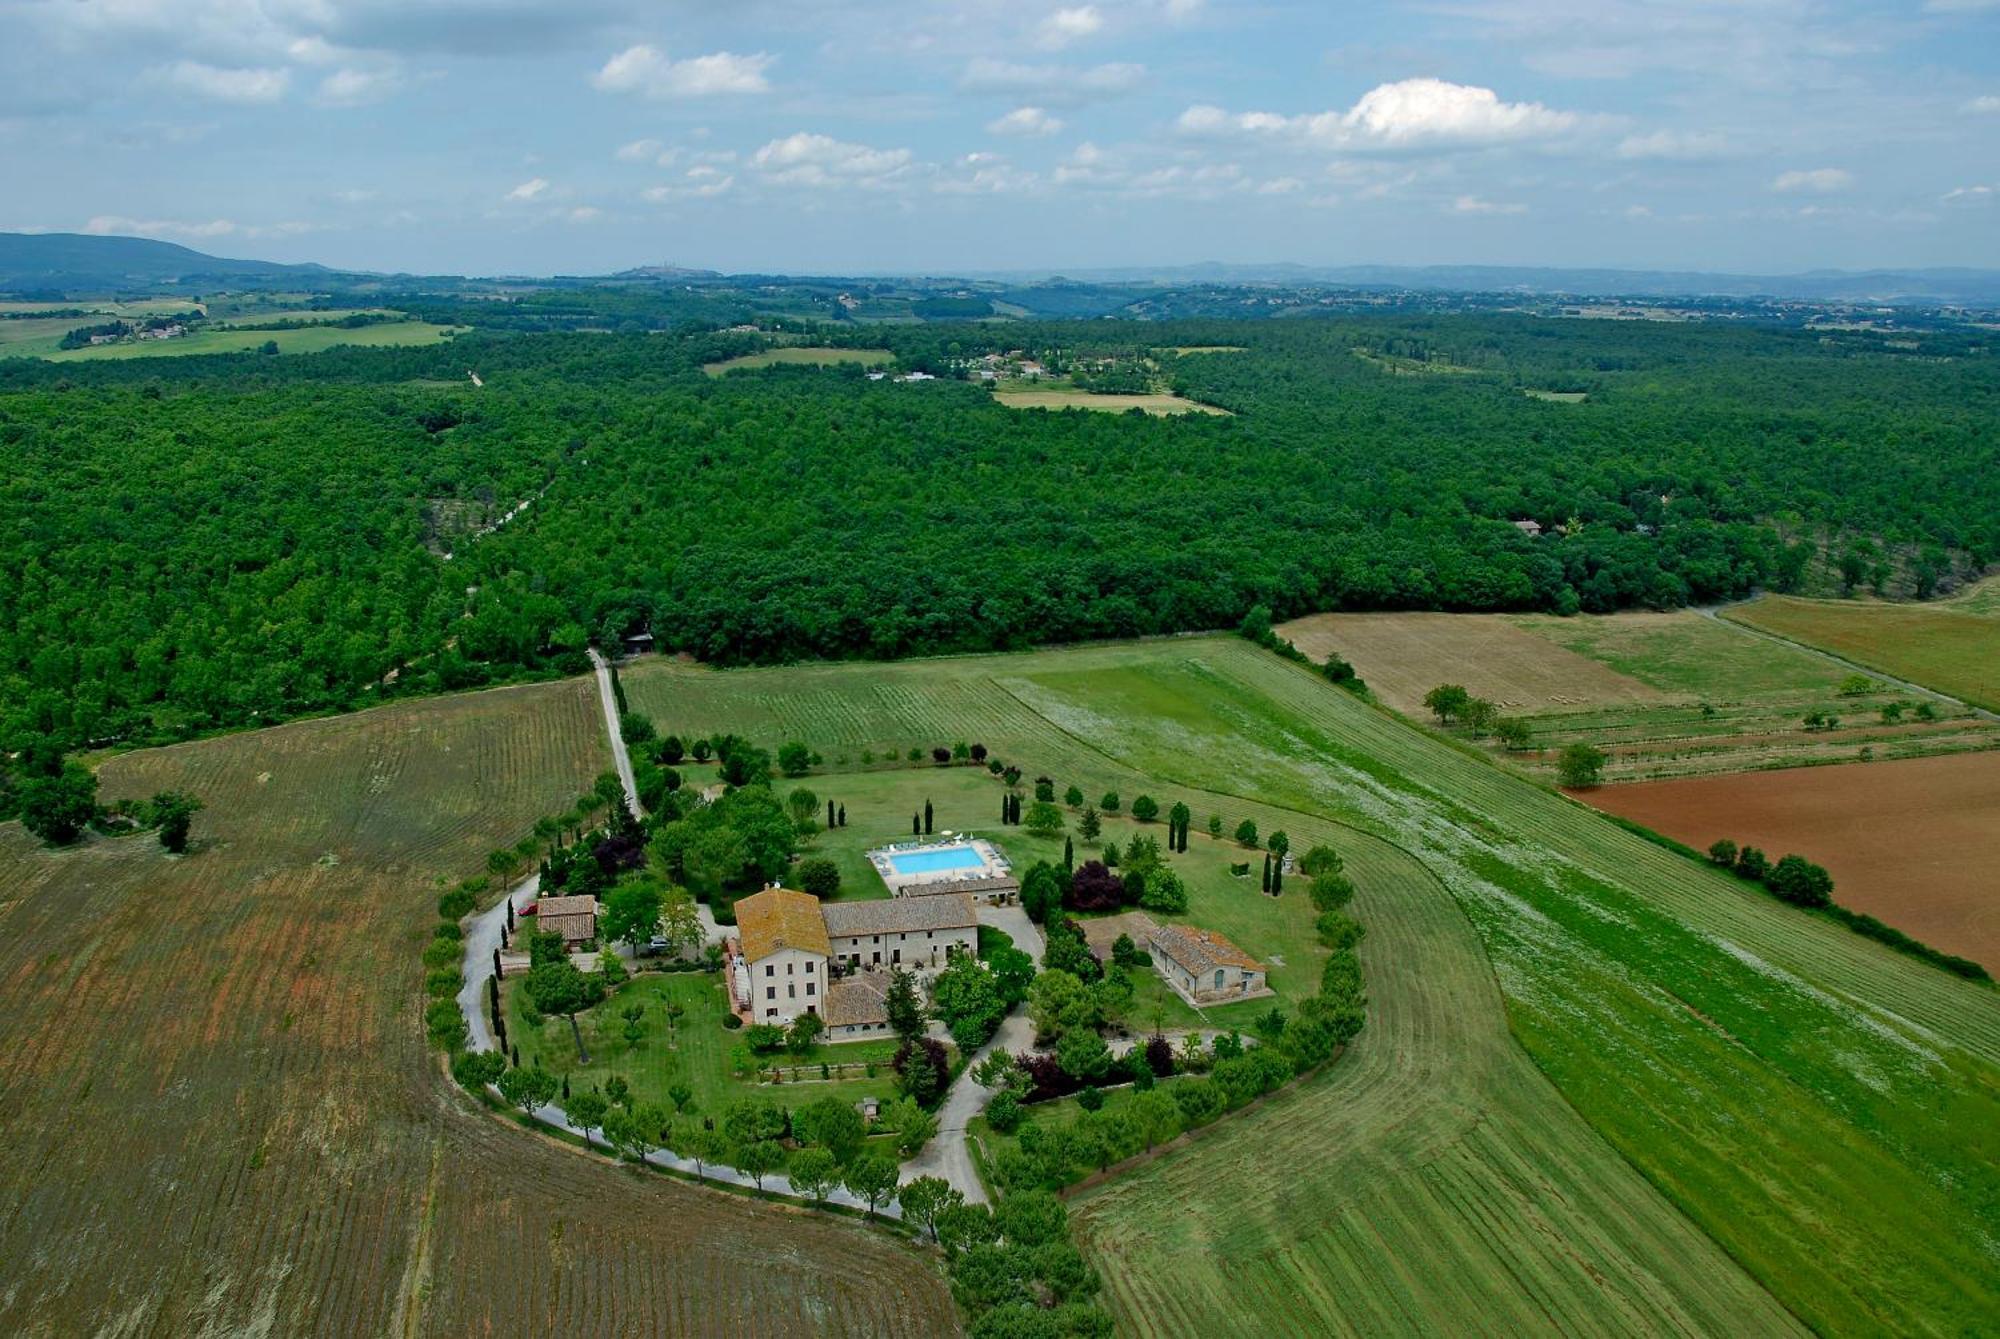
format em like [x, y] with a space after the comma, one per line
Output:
[788, 969]
[770, 992]
[810, 992]
[1218, 979]
[770, 969]
[791, 992]
[809, 969]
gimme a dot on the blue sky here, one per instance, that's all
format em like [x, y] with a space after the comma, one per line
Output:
[579, 136]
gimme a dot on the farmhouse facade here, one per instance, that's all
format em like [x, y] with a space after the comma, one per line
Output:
[793, 955]
[1203, 967]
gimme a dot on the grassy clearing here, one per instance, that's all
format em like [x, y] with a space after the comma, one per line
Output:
[801, 356]
[1108, 404]
[1435, 1142]
[311, 339]
[1685, 652]
[1183, 350]
[1556, 397]
[1981, 597]
[697, 1050]
[1941, 648]
[220, 1108]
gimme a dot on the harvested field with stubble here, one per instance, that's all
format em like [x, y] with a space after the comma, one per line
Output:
[1914, 843]
[221, 1113]
[1404, 656]
[1602, 1088]
[1662, 694]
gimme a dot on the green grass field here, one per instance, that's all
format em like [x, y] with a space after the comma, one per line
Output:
[311, 339]
[1601, 1088]
[801, 356]
[1684, 652]
[1939, 647]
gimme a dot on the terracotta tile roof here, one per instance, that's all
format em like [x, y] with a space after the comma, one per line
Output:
[858, 999]
[945, 911]
[779, 918]
[1197, 951]
[572, 917]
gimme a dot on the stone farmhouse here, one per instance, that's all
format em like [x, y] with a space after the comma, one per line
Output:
[574, 918]
[1203, 967]
[793, 955]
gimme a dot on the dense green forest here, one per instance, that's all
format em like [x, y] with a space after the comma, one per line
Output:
[211, 541]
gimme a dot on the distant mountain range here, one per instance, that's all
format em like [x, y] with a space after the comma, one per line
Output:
[1924, 286]
[79, 262]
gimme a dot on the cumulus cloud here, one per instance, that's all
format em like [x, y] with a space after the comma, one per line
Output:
[1025, 121]
[531, 189]
[1051, 83]
[1065, 26]
[1409, 114]
[1969, 195]
[640, 151]
[806, 159]
[985, 174]
[1815, 181]
[1984, 105]
[1674, 146]
[223, 84]
[647, 71]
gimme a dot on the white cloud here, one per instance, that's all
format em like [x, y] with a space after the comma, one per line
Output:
[225, 85]
[821, 161]
[1409, 114]
[986, 174]
[1065, 26]
[698, 183]
[1983, 105]
[1281, 186]
[640, 151]
[1685, 146]
[1025, 121]
[585, 214]
[646, 70]
[1970, 195]
[1472, 204]
[1051, 83]
[351, 87]
[115, 225]
[1817, 180]
[531, 189]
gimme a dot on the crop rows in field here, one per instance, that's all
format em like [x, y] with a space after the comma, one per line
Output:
[1802, 1093]
[221, 1110]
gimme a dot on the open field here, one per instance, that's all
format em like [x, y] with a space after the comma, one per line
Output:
[311, 339]
[221, 1111]
[1547, 993]
[1404, 656]
[1109, 404]
[1556, 397]
[1663, 694]
[1913, 843]
[1981, 597]
[801, 356]
[1182, 350]
[1939, 647]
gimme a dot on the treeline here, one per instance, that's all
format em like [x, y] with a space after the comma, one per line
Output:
[232, 540]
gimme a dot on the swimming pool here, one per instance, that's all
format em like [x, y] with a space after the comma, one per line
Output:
[935, 860]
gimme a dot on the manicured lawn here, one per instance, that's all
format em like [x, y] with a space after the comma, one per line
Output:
[698, 1050]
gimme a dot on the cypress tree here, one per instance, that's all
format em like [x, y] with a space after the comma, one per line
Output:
[927, 818]
[916, 825]
[1006, 810]
[1267, 872]
[510, 901]
[843, 815]
[829, 814]
[517, 1057]
[1069, 854]
[497, 973]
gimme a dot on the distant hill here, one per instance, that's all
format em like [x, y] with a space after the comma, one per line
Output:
[67, 261]
[1921, 286]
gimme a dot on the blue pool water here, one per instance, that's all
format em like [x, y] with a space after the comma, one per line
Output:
[933, 861]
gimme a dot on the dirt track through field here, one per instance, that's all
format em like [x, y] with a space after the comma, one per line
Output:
[1915, 842]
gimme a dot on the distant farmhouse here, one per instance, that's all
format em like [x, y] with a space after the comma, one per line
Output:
[793, 955]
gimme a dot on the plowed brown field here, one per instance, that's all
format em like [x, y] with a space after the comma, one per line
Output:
[220, 1114]
[1914, 842]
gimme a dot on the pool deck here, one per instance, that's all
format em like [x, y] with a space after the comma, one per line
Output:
[989, 875]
